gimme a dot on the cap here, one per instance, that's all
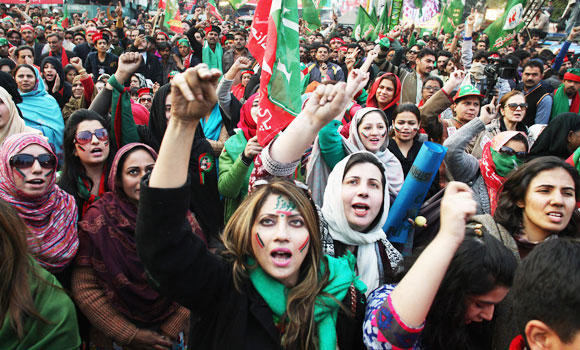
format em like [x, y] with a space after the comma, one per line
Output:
[467, 90]
[3, 42]
[572, 74]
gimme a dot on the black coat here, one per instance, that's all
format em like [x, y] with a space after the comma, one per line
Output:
[183, 269]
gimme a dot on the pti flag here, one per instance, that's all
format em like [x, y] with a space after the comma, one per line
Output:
[452, 16]
[383, 23]
[236, 4]
[311, 15]
[172, 17]
[364, 26]
[505, 28]
[279, 93]
[211, 6]
[259, 30]
[64, 22]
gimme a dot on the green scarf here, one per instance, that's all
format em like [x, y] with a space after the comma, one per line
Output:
[576, 158]
[341, 276]
[211, 58]
[561, 103]
[504, 164]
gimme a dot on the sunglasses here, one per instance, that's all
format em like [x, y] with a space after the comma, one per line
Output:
[514, 106]
[25, 161]
[508, 151]
[84, 137]
[414, 52]
[145, 99]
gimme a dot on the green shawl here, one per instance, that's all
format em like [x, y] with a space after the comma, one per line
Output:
[53, 304]
[212, 58]
[341, 276]
[562, 103]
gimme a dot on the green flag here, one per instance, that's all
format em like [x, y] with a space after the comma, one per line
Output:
[383, 23]
[505, 28]
[311, 15]
[236, 4]
[395, 16]
[452, 16]
[364, 26]
[64, 22]
[373, 13]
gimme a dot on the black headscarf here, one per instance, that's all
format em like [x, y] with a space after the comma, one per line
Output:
[63, 95]
[204, 201]
[8, 83]
[7, 62]
[553, 141]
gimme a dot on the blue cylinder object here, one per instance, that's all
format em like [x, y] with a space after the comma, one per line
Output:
[413, 192]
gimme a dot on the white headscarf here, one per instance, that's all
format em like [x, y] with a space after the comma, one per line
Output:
[15, 124]
[367, 261]
[394, 170]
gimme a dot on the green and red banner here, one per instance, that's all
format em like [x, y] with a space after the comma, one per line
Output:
[505, 28]
[172, 19]
[452, 15]
[279, 93]
[311, 15]
[259, 31]
[365, 25]
[213, 9]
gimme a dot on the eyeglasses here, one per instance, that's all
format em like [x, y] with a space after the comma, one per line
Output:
[84, 137]
[431, 88]
[414, 52]
[514, 106]
[25, 161]
[145, 99]
[508, 151]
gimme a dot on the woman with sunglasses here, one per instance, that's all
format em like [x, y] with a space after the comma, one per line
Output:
[28, 182]
[512, 109]
[504, 153]
[36, 313]
[109, 283]
[272, 288]
[87, 153]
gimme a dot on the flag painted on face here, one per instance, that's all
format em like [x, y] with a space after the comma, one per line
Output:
[505, 28]
[172, 16]
[213, 9]
[279, 93]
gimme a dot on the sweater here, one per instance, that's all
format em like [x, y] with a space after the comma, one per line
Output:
[234, 174]
[464, 167]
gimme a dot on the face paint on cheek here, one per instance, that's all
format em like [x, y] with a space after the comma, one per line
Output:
[259, 240]
[19, 172]
[384, 133]
[304, 245]
[49, 174]
[81, 147]
[363, 134]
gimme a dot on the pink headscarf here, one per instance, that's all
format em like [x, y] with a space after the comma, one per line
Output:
[51, 218]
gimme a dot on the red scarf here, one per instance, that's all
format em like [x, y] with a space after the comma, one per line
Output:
[92, 197]
[518, 343]
[492, 180]
[187, 61]
[247, 123]
[575, 105]
[63, 56]
[372, 100]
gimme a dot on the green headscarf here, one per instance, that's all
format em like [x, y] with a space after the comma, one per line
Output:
[341, 276]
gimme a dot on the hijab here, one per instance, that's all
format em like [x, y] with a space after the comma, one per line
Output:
[394, 170]
[553, 141]
[65, 91]
[108, 246]
[488, 168]
[15, 124]
[372, 97]
[41, 111]
[367, 261]
[51, 217]
[247, 123]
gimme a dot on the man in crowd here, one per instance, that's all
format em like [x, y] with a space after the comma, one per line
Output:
[537, 96]
[54, 41]
[323, 70]
[238, 50]
[566, 98]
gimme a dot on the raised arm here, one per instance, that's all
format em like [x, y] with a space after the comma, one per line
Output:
[325, 103]
[411, 300]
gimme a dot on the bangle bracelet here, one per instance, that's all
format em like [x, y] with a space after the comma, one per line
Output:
[82, 71]
[465, 38]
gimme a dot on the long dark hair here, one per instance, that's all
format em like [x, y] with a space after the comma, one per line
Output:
[480, 264]
[514, 189]
[16, 269]
[73, 169]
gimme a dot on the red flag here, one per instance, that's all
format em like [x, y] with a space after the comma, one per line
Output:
[259, 30]
[279, 96]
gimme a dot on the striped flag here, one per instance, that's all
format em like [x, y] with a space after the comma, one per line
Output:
[279, 95]
[172, 18]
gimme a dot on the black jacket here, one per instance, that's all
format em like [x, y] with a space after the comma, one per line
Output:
[151, 68]
[182, 268]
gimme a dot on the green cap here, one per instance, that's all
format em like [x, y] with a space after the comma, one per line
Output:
[467, 90]
[385, 42]
[183, 42]
[3, 41]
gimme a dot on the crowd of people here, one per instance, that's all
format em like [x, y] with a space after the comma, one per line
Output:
[139, 211]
